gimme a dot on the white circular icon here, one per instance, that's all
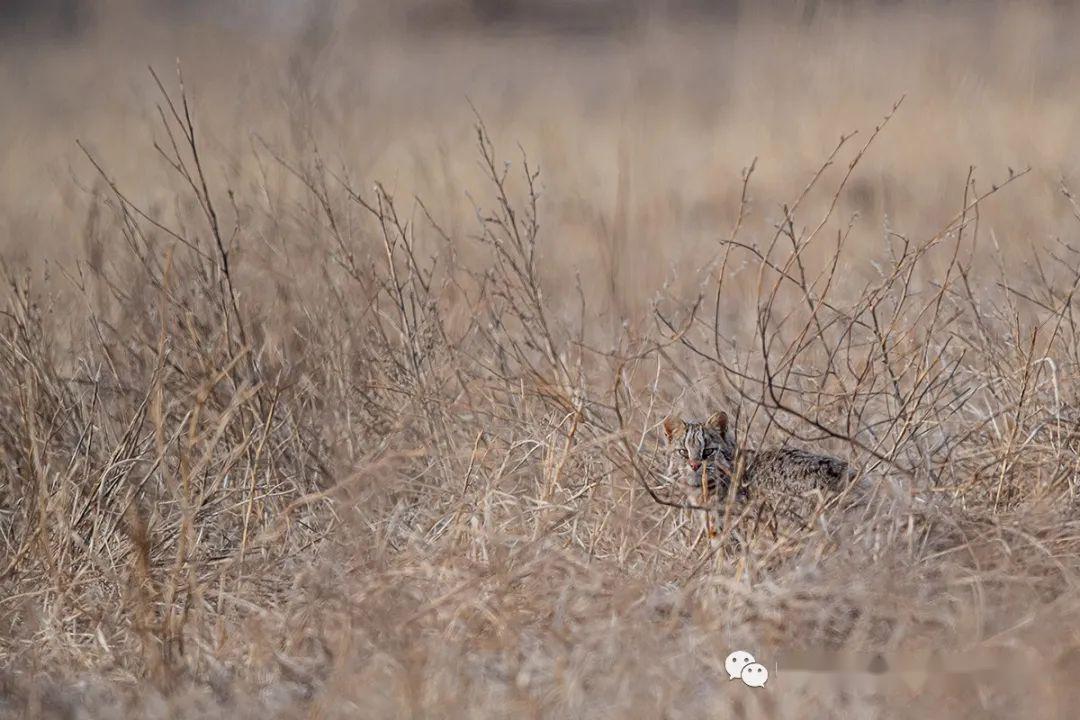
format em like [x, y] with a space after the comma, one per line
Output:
[755, 675]
[735, 663]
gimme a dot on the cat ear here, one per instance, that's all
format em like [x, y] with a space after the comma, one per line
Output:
[671, 424]
[718, 421]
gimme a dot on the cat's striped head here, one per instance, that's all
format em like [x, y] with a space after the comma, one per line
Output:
[693, 446]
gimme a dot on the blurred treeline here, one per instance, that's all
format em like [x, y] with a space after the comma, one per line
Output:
[70, 18]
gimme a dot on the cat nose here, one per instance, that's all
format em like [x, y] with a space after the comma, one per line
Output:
[695, 464]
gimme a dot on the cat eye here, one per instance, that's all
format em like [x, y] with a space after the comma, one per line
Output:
[709, 452]
[682, 452]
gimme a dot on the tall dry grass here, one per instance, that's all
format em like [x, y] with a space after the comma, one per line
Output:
[325, 394]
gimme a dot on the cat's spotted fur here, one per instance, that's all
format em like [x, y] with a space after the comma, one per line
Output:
[780, 477]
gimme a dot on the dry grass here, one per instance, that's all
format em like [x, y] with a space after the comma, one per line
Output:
[322, 397]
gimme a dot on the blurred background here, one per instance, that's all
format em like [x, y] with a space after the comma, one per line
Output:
[640, 115]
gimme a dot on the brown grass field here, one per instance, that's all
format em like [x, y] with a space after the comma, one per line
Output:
[331, 373]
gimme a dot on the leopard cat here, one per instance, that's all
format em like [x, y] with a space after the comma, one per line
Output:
[781, 478]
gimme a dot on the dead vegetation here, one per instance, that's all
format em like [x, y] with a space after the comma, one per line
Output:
[297, 443]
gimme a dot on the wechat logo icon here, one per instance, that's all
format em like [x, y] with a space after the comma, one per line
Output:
[742, 665]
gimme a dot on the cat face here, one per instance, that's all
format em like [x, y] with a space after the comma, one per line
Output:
[696, 446]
